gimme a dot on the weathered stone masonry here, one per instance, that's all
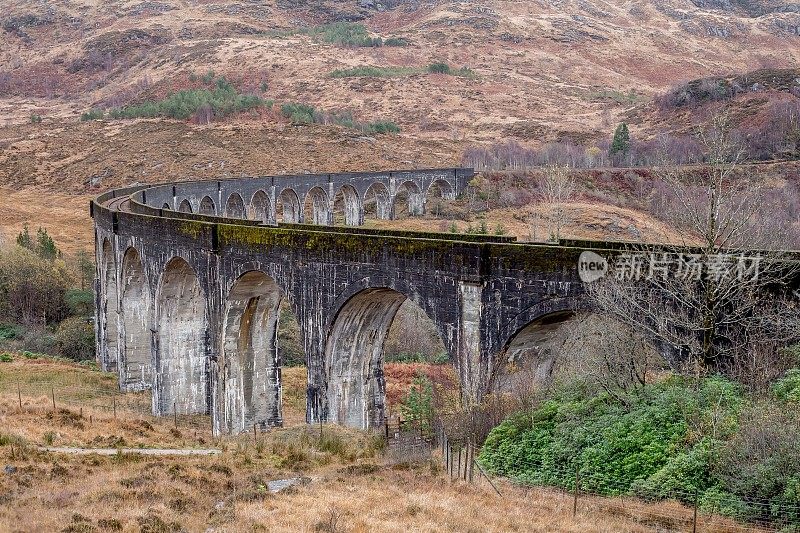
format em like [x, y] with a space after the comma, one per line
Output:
[187, 302]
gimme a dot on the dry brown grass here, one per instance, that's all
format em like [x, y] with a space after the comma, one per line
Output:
[351, 487]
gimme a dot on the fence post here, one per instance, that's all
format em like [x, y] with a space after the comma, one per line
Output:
[471, 460]
[175, 413]
[694, 517]
[19, 395]
[255, 435]
[53, 395]
[114, 402]
[577, 489]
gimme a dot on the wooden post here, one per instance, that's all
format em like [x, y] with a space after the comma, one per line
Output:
[19, 395]
[471, 460]
[694, 517]
[81, 413]
[53, 395]
[480, 469]
[577, 488]
[255, 435]
[175, 413]
[114, 402]
[90, 420]
[458, 472]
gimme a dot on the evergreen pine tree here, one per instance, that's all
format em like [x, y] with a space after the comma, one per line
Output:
[621, 143]
[45, 246]
[24, 238]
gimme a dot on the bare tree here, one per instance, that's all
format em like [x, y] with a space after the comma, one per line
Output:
[555, 187]
[724, 292]
[613, 356]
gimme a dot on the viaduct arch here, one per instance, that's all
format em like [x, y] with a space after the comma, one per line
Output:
[188, 294]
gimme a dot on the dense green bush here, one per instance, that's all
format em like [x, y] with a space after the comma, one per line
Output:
[788, 387]
[367, 71]
[672, 439]
[380, 127]
[92, 114]
[299, 113]
[75, 339]
[223, 100]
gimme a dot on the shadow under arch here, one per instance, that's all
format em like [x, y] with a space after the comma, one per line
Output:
[250, 367]
[182, 377]
[207, 206]
[261, 207]
[355, 388]
[287, 206]
[234, 206]
[347, 208]
[529, 356]
[412, 196]
[185, 206]
[136, 372]
[317, 206]
[109, 358]
[378, 202]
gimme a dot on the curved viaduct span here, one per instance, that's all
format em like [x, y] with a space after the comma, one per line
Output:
[191, 274]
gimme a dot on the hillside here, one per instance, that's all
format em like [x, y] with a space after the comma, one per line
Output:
[531, 72]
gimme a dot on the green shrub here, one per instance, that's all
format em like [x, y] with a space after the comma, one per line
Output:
[75, 339]
[417, 408]
[36, 119]
[373, 72]
[439, 67]
[298, 113]
[79, 301]
[9, 332]
[396, 41]
[381, 127]
[786, 388]
[223, 100]
[345, 34]
[644, 445]
[92, 114]
[5, 358]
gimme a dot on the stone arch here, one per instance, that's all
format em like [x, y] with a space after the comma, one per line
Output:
[166, 206]
[185, 206]
[378, 201]
[182, 382]
[207, 206]
[414, 198]
[441, 188]
[109, 357]
[353, 363]
[317, 207]
[347, 207]
[250, 369]
[261, 207]
[234, 207]
[136, 372]
[530, 354]
[288, 206]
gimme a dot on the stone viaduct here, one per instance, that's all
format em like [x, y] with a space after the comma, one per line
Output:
[190, 276]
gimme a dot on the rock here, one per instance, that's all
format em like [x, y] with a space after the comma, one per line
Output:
[279, 485]
[10, 469]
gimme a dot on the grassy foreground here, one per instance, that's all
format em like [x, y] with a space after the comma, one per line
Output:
[350, 483]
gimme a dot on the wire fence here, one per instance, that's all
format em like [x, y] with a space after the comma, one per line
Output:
[670, 506]
[93, 402]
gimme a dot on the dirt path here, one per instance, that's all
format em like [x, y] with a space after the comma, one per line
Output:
[138, 451]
